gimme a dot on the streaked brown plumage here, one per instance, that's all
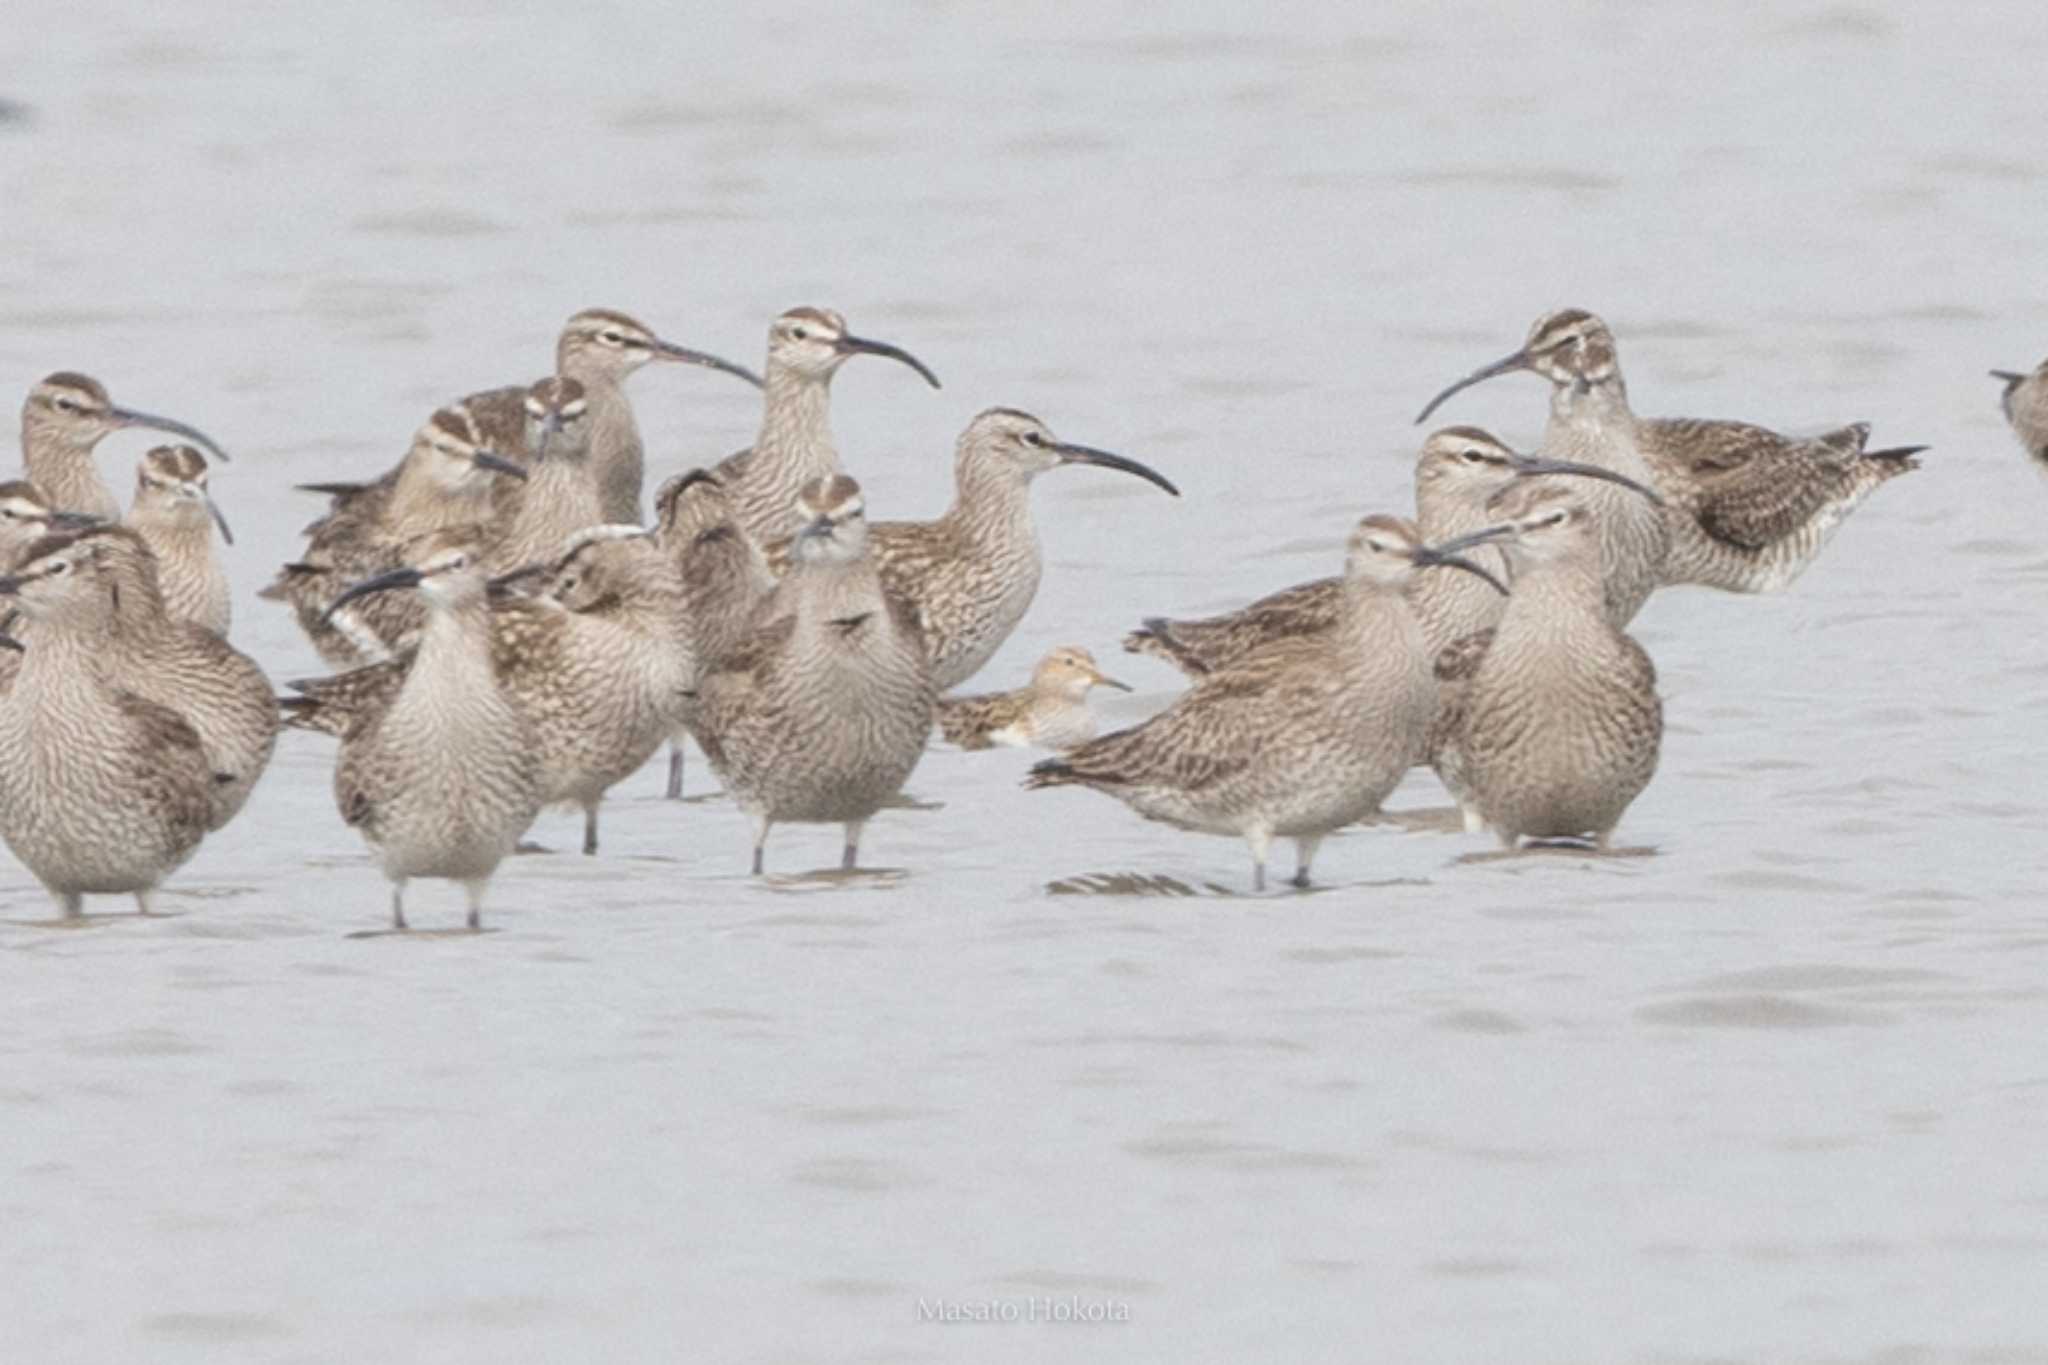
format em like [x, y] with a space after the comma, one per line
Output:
[1051, 713]
[724, 576]
[599, 348]
[175, 514]
[440, 773]
[972, 574]
[822, 712]
[1456, 471]
[1553, 724]
[1747, 508]
[561, 494]
[806, 347]
[1298, 738]
[189, 669]
[594, 664]
[63, 419]
[444, 483]
[103, 791]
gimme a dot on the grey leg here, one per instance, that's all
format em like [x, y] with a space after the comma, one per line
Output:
[1304, 854]
[475, 892]
[70, 904]
[398, 905]
[761, 826]
[849, 859]
[1261, 840]
[590, 829]
[675, 770]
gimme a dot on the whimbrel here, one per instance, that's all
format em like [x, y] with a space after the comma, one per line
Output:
[561, 494]
[1590, 422]
[25, 517]
[186, 667]
[176, 515]
[102, 790]
[972, 573]
[1051, 713]
[806, 347]
[599, 348]
[1457, 470]
[724, 575]
[439, 774]
[1749, 508]
[1299, 738]
[593, 663]
[444, 483]
[822, 712]
[63, 420]
[1555, 721]
[2025, 401]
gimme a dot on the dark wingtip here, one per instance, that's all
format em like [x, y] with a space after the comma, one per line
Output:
[1049, 772]
[1903, 453]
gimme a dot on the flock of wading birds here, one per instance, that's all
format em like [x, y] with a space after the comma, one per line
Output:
[512, 636]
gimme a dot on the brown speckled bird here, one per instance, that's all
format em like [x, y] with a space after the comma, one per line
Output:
[444, 483]
[63, 420]
[103, 791]
[1456, 471]
[175, 513]
[822, 712]
[594, 664]
[1051, 713]
[1299, 738]
[725, 578]
[806, 347]
[1748, 509]
[1551, 719]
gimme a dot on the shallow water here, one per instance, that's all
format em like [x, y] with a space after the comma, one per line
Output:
[1769, 1094]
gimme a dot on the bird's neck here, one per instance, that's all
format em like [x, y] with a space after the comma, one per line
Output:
[63, 471]
[796, 426]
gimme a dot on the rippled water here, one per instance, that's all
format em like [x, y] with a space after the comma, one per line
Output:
[1772, 1093]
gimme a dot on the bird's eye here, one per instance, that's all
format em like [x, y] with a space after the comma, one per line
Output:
[611, 338]
[1473, 456]
[65, 405]
[1032, 438]
[59, 567]
[799, 333]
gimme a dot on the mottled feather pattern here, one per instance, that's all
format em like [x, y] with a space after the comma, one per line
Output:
[1208, 644]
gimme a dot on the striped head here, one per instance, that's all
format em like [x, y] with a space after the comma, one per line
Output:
[1572, 347]
[170, 483]
[601, 565]
[557, 419]
[91, 577]
[814, 343]
[1382, 551]
[834, 527]
[605, 344]
[1070, 671]
[26, 516]
[73, 409]
[1545, 520]
[454, 456]
[1460, 467]
[1016, 445]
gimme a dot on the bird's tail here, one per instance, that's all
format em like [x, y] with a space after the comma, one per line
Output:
[1051, 772]
[1158, 640]
[1895, 461]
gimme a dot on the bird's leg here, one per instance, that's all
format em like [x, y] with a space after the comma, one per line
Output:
[1260, 839]
[1304, 854]
[1475, 823]
[398, 905]
[761, 824]
[850, 859]
[142, 903]
[70, 904]
[675, 770]
[475, 891]
[590, 829]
